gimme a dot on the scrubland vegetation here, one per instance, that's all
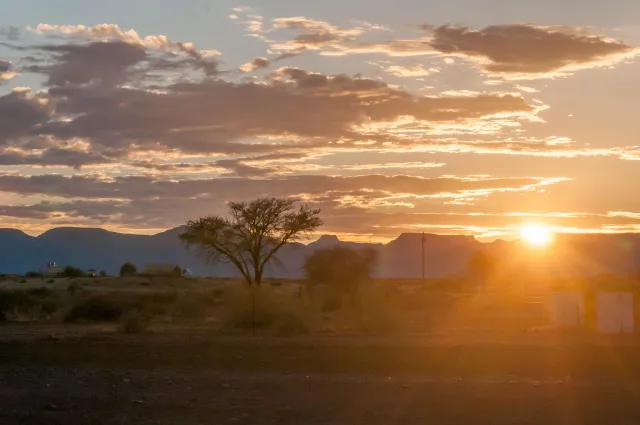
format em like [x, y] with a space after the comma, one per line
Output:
[284, 308]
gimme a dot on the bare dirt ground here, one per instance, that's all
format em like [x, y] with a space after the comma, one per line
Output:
[195, 378]
[106, 396]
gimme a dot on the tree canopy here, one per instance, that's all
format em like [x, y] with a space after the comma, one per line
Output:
[128, 269]
[71, 271]
[252, 234]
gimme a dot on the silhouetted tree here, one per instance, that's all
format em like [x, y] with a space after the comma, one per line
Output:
[482, 266]
[343, 270]
[102, 273]
[128, 269]
[71, 271]
[252, 234]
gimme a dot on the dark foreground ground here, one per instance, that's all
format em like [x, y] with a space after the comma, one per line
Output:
[187, 379]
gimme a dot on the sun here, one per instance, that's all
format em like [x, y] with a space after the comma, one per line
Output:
[536, 234]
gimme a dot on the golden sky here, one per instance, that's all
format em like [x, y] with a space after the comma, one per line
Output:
[459, 117]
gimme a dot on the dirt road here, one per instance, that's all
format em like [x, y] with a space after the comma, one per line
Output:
[159, 380]
[106, 396]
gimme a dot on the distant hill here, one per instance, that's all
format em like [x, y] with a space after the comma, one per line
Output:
[445, 256]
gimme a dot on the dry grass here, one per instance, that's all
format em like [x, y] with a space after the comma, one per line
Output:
[292, 307]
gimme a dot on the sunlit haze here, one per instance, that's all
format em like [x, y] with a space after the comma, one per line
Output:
[452, 117]
[537, 235]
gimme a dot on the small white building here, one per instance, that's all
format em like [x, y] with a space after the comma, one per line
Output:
[53, 270]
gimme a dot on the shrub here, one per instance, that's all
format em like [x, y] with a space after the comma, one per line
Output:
[33, 274]
[343, 270]
[102, 273]
[31, 305]
[94, 309]
[134, 322]
[128, 269]
[51, 281]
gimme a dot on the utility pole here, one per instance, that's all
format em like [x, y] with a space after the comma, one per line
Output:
[422, 257]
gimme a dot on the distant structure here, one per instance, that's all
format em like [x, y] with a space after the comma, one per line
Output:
[163, 269]
[53, 270]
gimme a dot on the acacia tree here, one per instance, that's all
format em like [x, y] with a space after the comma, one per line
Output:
[252, 234]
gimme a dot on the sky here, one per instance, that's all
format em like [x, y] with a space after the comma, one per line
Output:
[471, 117]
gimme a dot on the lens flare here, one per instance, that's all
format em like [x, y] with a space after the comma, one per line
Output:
[536, 235]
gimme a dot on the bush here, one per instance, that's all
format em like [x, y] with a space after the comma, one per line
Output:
[51, 281]
[33, 274]
[134, 322]
[343, 270]
[102, 273]
[94, 309]
[128, 269]
[30, 305]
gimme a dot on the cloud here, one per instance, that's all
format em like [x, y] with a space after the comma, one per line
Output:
[108, 63]
[312, 35]
[526, 51]
[255, 64]
[6, 71]
[199, 59]
[219, 116]
[393, 165]
[552, 147]
[108, 32]
[143, 187]
[53, 157]
[137, 201]
[410, 71]
[313, 26]
[515, 51]
[22, 112]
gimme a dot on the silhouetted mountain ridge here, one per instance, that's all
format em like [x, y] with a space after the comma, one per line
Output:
[445, 255]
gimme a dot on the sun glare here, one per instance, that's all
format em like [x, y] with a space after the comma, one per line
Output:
[536, 234]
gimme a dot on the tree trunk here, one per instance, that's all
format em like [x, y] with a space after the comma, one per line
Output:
[253, 311]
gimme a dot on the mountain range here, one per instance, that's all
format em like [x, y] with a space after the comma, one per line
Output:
[445, 255]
